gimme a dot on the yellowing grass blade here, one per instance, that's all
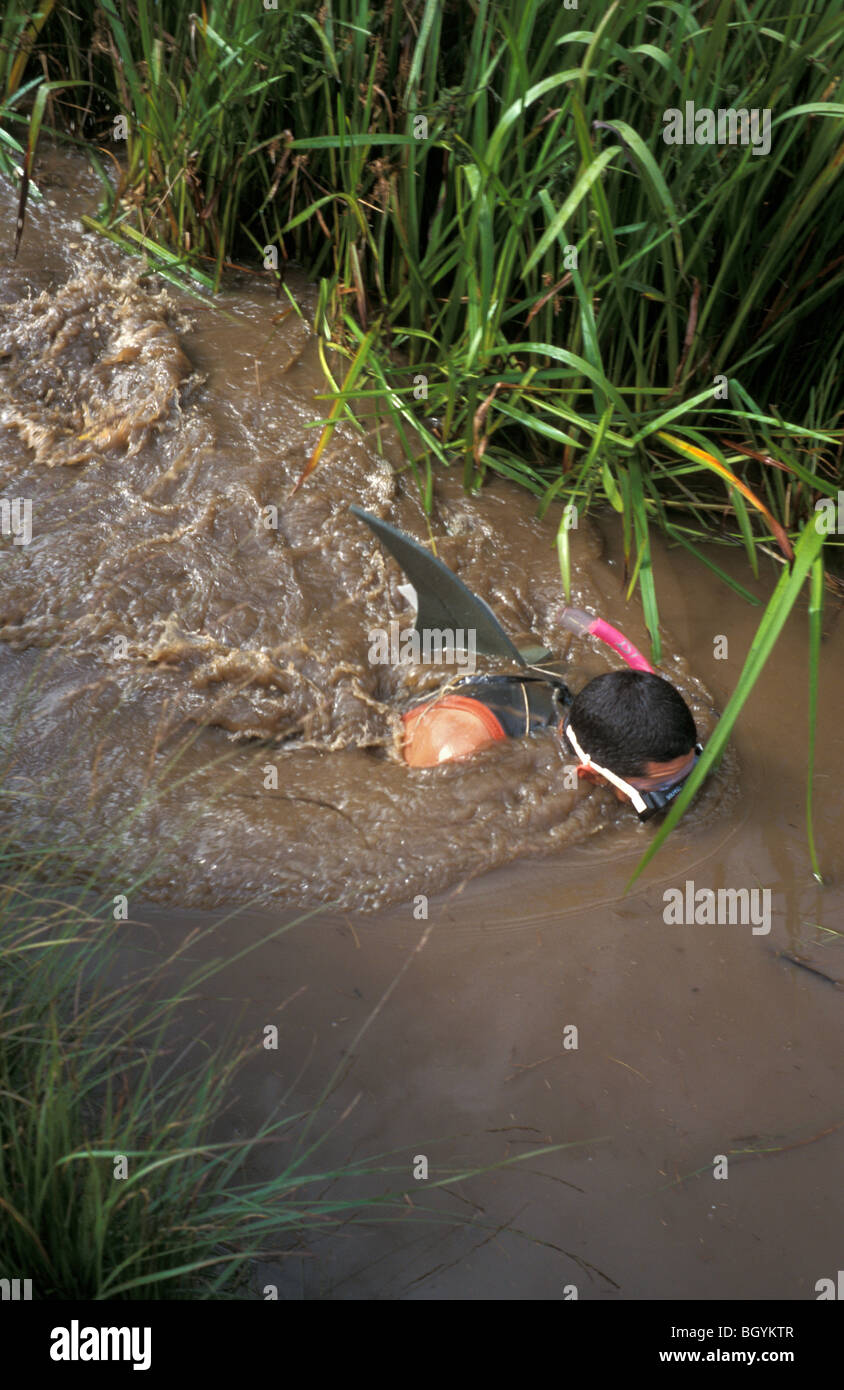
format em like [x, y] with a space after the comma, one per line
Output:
[330, 425]
[27, 39]
[691, 451]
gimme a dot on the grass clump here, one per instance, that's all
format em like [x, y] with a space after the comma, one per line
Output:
[543, 287]
[112, 1183]
[117, 1180]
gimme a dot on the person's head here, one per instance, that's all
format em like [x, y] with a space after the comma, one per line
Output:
[636, 726]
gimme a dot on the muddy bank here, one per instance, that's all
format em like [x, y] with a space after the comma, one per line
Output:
[179, 624]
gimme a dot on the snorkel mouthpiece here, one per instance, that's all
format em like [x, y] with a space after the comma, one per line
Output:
[577, 620]
[661, 798]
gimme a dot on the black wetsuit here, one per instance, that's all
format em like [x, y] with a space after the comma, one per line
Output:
[537, 699]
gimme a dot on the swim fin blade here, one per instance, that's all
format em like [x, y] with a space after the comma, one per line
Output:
[443, 600]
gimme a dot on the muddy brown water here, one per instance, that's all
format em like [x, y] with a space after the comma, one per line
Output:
[161, 647]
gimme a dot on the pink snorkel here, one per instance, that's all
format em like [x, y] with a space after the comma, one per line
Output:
[583, 623]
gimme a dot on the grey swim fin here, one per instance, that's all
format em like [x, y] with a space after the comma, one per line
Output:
[443, 600]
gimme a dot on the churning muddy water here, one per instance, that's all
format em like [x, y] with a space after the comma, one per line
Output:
[192, 639]
[161, 647]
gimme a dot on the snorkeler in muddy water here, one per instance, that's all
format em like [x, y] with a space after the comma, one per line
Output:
[631, 729]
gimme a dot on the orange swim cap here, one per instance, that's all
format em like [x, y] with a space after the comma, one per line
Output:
[448, 729]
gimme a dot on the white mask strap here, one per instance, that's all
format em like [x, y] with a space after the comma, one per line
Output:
[623, 786]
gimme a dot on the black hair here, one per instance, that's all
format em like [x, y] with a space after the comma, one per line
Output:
[626, 719]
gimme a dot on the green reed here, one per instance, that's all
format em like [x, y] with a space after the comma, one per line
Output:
[490, 182]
